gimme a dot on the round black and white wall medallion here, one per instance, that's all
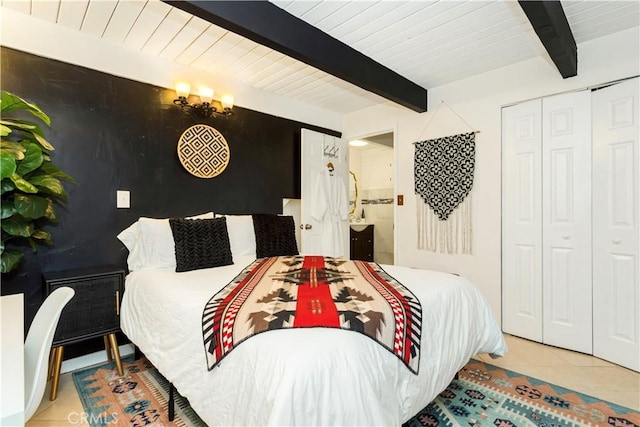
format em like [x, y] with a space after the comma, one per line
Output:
[203, 151]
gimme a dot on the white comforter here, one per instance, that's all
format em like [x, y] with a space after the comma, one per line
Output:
[315, 376]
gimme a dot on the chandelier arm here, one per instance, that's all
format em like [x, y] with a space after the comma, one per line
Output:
[203, 110]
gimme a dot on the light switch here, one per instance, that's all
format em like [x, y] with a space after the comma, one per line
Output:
[123, 199]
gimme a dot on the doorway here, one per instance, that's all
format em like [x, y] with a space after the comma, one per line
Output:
[372, 193]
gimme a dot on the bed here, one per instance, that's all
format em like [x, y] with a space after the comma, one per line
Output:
[311, 376]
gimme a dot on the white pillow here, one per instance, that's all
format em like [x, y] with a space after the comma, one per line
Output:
[150, 243]
[130, 237]
[242, 236]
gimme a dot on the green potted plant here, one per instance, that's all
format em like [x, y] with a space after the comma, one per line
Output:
[30, 184]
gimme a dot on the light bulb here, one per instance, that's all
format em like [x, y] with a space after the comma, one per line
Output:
[182, 89]
[206, 95]
[227, 102]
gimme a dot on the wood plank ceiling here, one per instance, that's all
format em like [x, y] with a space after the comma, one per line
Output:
[429, 42]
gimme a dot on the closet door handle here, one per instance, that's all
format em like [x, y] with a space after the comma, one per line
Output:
[565, 237]
[616, 241]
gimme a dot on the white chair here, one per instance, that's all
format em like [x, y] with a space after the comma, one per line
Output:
[38, 345]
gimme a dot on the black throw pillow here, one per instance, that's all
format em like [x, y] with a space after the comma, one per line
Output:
[200, 243]
[275, 235]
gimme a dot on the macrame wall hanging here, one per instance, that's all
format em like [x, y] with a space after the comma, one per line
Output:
[443, 178]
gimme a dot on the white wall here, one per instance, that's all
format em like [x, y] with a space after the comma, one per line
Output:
[42, 38]
[479, 100]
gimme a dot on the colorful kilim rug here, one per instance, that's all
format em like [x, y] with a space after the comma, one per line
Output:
[484, 395]
[313, 291]
[138, 398]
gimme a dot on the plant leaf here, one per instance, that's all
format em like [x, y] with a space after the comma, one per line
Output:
[50, 213]
[52, 170]
[32, 243]
[12, 145]
[7, 209]
[7, 165]
[6, 185]
[32, 159]
[18, 226]
[16, 154]
[19, 124]
[27, 125]
[49, 184]
[10, 260]
[28, 131]
[45, 144]
[22, 184]
[30, 206]
[4, 130]
[11, 102]
[42, 235]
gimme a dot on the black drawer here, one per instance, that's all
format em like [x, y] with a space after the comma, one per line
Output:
[95, 308]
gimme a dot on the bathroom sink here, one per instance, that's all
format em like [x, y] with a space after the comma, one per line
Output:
[359, 226]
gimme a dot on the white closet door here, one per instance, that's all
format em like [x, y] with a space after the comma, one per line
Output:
[522, 220]
[566, 221]
[616, 190]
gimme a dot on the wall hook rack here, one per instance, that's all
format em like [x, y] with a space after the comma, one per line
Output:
[331, 150]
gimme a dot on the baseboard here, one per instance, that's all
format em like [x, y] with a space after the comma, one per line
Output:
[93, 359]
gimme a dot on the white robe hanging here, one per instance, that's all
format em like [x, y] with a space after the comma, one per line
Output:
[330, 207]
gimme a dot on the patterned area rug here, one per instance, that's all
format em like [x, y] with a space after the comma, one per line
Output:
[484, 395]
[139, 398]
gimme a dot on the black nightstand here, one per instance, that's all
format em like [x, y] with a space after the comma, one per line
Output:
[94, 311]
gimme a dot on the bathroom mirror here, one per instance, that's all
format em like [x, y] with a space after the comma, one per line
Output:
[353, 192]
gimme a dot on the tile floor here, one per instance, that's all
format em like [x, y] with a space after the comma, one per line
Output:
[576, 371]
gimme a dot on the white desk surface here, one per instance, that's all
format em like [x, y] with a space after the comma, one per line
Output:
[12, 360]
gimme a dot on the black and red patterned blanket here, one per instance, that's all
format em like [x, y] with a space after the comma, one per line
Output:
[313, 291]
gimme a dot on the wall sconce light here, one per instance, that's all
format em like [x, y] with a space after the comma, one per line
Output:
[204, 109]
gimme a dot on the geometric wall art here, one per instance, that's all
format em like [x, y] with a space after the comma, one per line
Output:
[203, 151]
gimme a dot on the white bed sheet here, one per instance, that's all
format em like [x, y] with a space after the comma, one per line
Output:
[316, 376]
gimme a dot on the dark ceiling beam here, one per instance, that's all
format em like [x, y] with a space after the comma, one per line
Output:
[267, 24]
[550, 24]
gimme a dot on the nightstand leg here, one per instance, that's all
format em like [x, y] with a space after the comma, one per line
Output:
[107, 347]
[51, 359]
[116, 353]
[57, 363]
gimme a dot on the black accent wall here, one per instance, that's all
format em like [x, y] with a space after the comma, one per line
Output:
[112, 133]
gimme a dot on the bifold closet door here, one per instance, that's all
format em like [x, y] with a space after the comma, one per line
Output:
[616, 238]
[566, 221]
[522, 220]
[546, 234]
